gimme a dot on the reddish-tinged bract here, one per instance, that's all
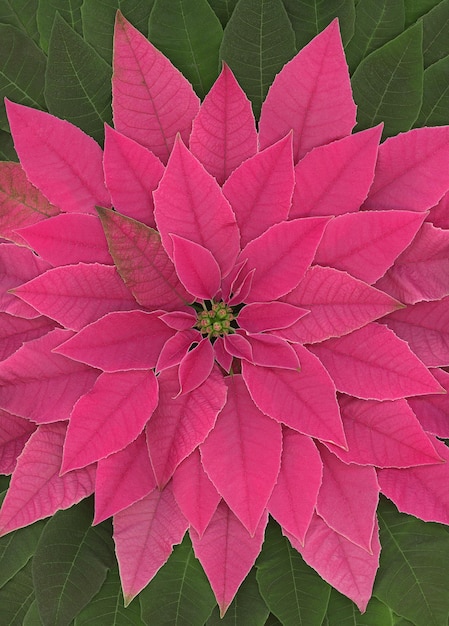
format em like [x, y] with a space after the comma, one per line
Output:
[235, 337]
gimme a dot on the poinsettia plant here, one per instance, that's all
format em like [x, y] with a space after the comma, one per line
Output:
[211, 321]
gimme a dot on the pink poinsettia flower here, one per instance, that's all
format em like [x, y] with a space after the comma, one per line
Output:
[204, 325]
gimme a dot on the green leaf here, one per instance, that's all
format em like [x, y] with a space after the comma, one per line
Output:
[387, 85]
[293, 591]
[413, 577]
[4, 483]
[223, 9]
[272, 621]
[179, 593]
[416, 8]
[343, 612]
[46, 12]
[435, 104]
[310, 17]
[16, 597]
[376, 22]
[70, 564]
[107, 607]
[248, 607]
[17, 548]
[99, 18]
[22, 15]
[189, 34]
[7, 152]
[257, 42]
[436, 33]
[32, 617]
[22, 68]
[77, 81]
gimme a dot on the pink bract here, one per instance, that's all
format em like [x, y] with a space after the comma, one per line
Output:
[257, 326]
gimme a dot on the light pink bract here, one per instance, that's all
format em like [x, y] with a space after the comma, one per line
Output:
[204, 325]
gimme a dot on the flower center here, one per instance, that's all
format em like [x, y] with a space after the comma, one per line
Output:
[216, 320]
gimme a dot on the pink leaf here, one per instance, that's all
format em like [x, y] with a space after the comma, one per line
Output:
[374, 364]
[439, 214]
[109, 417]
[425, 327]
[142, 262]
[18, 265]
[21, 204]
[384, 434]
[196, 267]
[421, 272]
[348, 498]
[312, 94]
[222, 356]
[281, 256]
[180, 320]
[294, 496]
[337, 304]
[224, 131]
[16, 330]
[242, 455]
[433, 411]
[75, 295]
[176, 348]
[194, 492]
[196, 366]
[37, 490]
[144, 536]
[46, 144]
[151, 99]
[270, 351]
[238, 346]
[262, 186]
[305, 400]
[180, 423]
[411, 171]
[262, 316]
[420, 491]
[347, 567]
[123, 478]
[366, 244]
[189, 203]
[132, 173]
[123, 340]
[227, 552]
[42, 386]
[14, 433]
[68, 238]
[335, 178]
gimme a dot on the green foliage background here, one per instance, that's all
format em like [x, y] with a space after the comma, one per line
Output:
[56, 55]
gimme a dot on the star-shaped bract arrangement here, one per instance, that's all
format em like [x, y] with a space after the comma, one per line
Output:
[256, 327]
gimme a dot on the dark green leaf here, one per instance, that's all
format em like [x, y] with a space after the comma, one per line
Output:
[272, 621]
[435, 104]
[17, 548]
[7, 152]
[292, 590]
[342, 612]
[257, 42]
[70, 564]
[223, 9]
[413, 578]
[22, 68]
[32, 617]
[16, 597]
[376, 22]
[416, 8]
[310, 17]
[22, 15]
[46, 12]
[247, 608]
[387, 85]
[4, 483]
[189, 34]
[435, 42]
[107, 606]
[77, 81]
[99, 17]
[180, 593]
